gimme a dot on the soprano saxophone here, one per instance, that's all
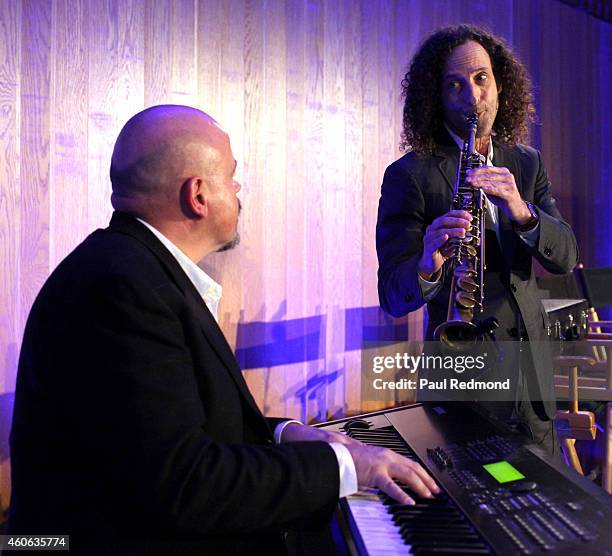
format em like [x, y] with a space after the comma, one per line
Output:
[467, 260]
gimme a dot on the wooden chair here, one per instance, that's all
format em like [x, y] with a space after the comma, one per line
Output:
[590, 373]
[595, 284]
[572, 424]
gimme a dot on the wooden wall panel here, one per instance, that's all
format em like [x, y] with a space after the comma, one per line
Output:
[334, 214]
[309, 91]
[274, 200]
[184, 82]
[253, 225]
[227, 267]
[116, 90]
[208, 44]
[158, 52]
[312, 278]
[170, 52]
[10, 217]
[297, 307]
[69, 97]
[10, 197]
[407, 39]
[35, 132]
[354, 239]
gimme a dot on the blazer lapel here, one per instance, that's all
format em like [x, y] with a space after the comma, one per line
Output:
[210, 328]
[502, 158]
[448, 155]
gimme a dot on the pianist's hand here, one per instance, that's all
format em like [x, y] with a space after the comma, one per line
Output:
[295, 432]
[375, 466]
[378, 467]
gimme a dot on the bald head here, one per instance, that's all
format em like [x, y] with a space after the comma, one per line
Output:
[173, 167]
[157, 150]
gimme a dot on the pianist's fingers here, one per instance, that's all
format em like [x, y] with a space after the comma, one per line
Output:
[425, 477]
[395, 492]
[414, 476]
[379, 467]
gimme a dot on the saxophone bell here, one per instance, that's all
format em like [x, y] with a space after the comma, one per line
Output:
[461, 335]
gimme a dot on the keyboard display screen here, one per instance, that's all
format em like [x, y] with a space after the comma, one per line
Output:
[503, 472]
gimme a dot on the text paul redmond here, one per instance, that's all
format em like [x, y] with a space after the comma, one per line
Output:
[454, 363]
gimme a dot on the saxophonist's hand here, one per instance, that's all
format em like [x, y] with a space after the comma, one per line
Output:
[435, 247]
[500, 187]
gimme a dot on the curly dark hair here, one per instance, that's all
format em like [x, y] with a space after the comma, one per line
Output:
[421, 89]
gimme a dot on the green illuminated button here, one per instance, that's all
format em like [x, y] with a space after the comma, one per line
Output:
[503, 472]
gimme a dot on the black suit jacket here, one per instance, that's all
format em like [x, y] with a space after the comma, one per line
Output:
[133, 428]
[417, 190]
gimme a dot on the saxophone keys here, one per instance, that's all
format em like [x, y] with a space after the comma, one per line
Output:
[466, 283]
[469, 250]
[472, 239]
[463, 269]
[465, 299]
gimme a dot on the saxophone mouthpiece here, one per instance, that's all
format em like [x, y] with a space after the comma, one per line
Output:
[471, 120]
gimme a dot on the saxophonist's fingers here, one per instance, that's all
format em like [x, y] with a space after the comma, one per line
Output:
[449, 222]
[459, 214]
[435, 241]
[496, 171]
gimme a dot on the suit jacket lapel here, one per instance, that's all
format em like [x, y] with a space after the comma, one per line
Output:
[210, 328]
[448, 155]
[503, 158]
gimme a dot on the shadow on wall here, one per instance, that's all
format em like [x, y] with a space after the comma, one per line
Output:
[263, 345]
[282, 342]
[372, 324]
[315, 389]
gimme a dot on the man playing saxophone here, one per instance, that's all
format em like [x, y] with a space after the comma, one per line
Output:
[457, 72]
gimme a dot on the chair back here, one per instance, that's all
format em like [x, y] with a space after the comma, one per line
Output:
[596, 284]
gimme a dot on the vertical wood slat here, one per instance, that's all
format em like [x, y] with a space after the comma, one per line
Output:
[371, 178]
[35, 134]
[313, 283]
[68, 218]
[252, 250]
[10, 219]
[184, 89]
[371, 136]
[406, 42]
[334, 215]
[298, 309]
[227, 267]
[208, 43]
[103, 77]
[158, 52]
[353, 203]
[116, 90]
[274, 201]
[170, 52]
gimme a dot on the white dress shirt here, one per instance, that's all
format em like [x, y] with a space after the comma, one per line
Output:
[211, 294]
[206, 286]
